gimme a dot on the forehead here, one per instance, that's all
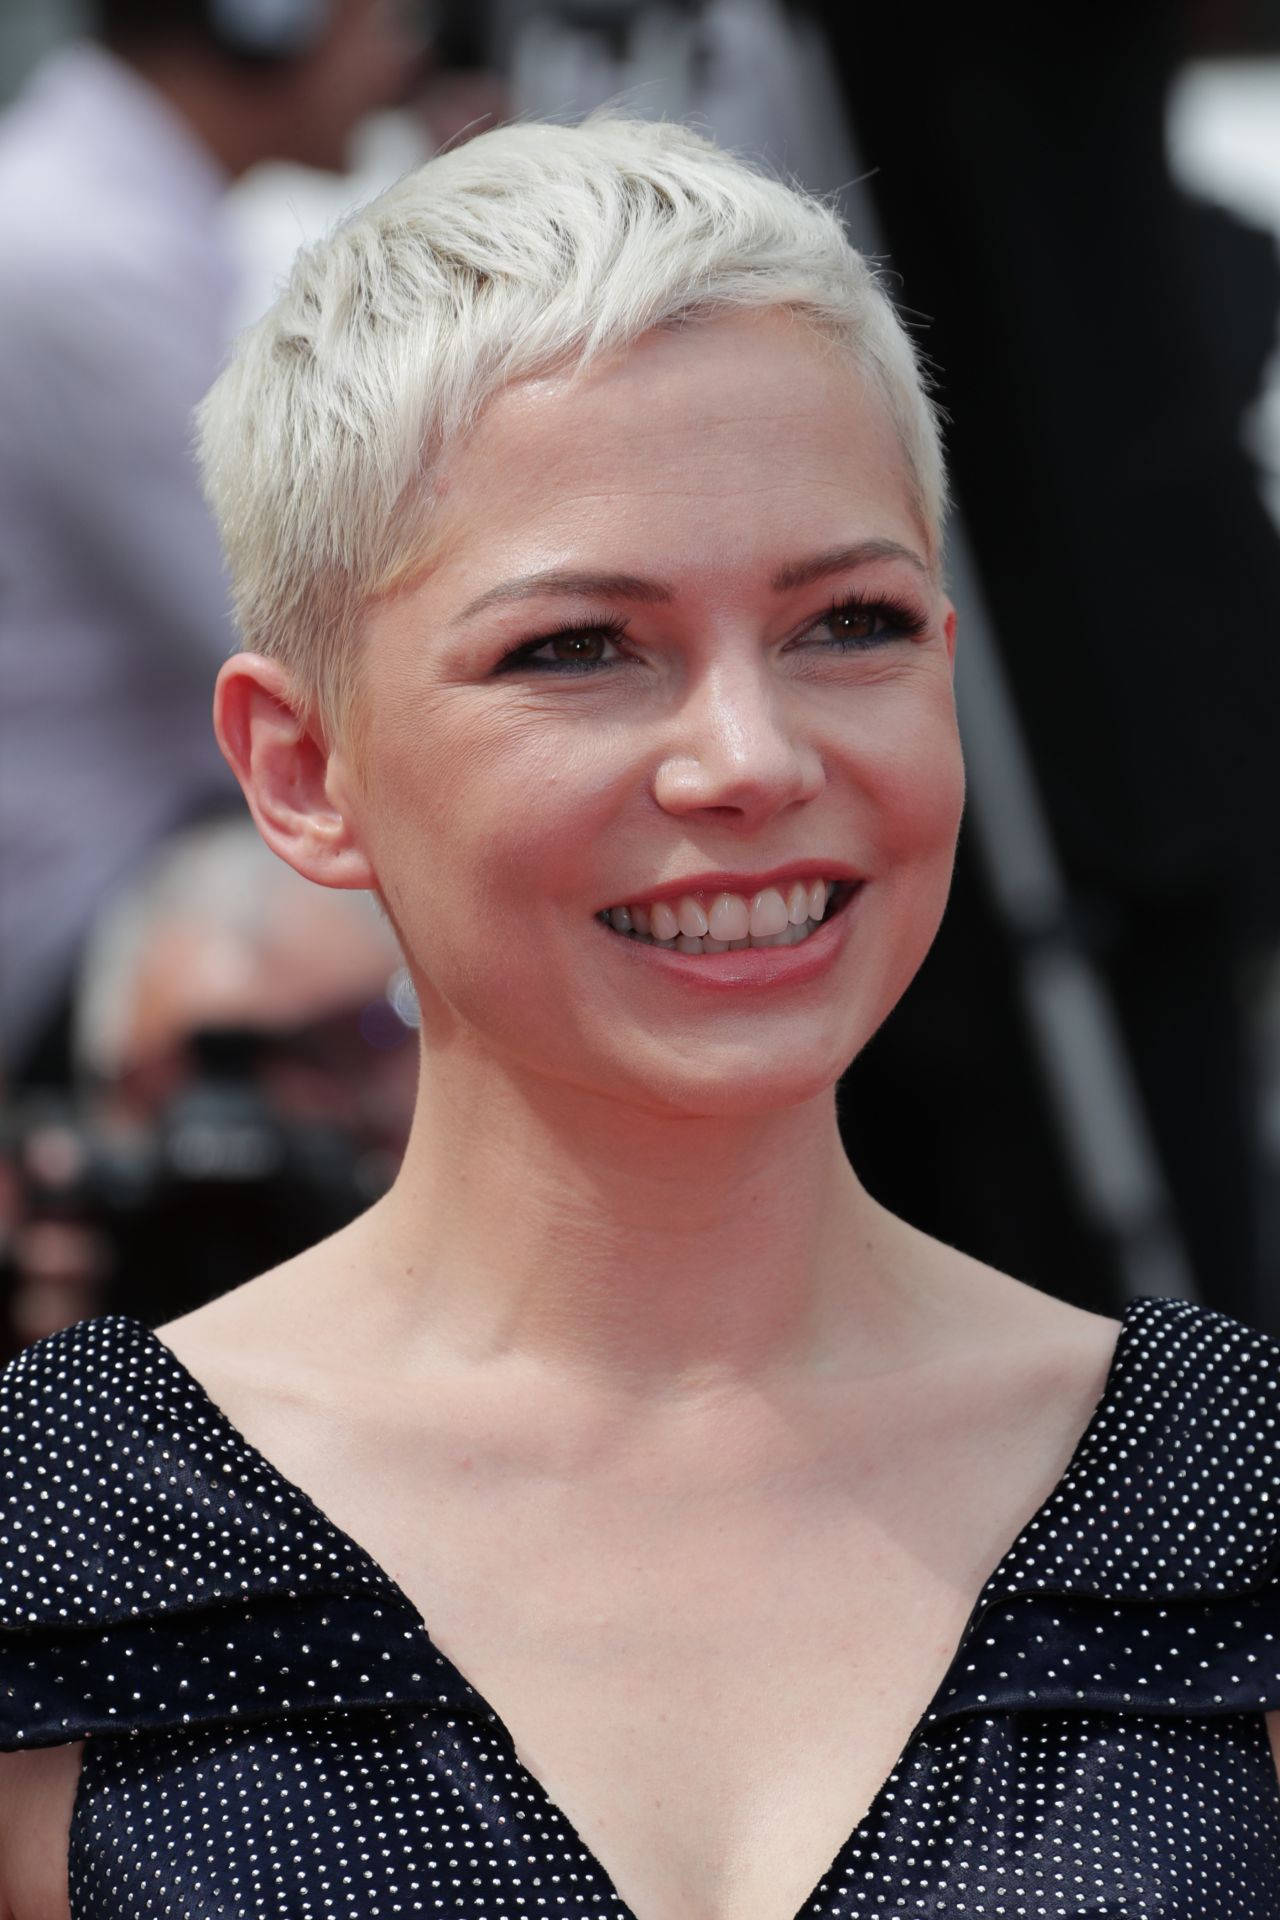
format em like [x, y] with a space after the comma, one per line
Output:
[718, 443]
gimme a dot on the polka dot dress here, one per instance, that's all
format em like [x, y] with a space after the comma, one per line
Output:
[271, 1731]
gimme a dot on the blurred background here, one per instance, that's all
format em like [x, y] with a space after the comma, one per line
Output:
[206, 1063]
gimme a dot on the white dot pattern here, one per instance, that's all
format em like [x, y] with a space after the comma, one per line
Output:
[271, 1731]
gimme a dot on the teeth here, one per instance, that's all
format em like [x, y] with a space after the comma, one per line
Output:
[768, 914]
[729, 922]
[787, 938]
[689, 943]
[730, 917]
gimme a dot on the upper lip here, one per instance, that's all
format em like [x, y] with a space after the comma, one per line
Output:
[744, 883]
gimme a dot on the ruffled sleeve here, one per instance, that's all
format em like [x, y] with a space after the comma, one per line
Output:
[155, 1571]
[1078, 1654]
[1149, 1583]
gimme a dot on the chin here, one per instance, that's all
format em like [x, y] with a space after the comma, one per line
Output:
[729, 1090]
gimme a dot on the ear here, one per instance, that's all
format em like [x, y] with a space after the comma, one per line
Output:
[297, 787]
[949, 631]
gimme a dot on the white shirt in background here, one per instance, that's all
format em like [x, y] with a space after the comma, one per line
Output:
[115, 302]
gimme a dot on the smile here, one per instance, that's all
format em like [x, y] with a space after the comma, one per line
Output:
[731, 922]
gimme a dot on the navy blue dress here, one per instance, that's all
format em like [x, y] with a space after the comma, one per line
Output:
[272, 1732]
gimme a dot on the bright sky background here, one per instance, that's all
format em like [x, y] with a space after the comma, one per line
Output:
[1224, 145]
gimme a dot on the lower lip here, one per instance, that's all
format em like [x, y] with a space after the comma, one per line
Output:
[750, 967]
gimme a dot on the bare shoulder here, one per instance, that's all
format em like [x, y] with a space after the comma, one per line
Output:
[1002, 1383]
[1273, 1732]
[284, 1316]
[251, 1310]
[1016, 1333]
[37, 1798]
[1053, 1336]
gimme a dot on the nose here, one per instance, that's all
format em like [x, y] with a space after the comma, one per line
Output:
[737, 746]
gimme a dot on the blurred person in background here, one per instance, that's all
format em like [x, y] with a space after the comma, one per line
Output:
[245, 1071]
[217, 933]
[115, 299]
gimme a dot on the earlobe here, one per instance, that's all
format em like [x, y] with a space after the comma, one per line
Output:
[285, 769]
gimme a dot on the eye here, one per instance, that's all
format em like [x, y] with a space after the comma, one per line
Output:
[572, 649]
[870, 623]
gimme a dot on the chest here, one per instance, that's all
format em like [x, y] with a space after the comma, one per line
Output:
[712, 1705]
[717, 1767]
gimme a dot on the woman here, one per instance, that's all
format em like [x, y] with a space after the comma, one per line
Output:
[626, 1515]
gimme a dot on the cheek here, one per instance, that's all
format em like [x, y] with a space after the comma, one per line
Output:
[919, 798]
[491, 821]
[916, 775]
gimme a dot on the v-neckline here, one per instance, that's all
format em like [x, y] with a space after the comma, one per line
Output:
[987, 1596]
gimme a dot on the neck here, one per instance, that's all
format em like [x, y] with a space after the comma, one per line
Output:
[638, 1253]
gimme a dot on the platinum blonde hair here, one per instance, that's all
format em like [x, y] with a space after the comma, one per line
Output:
[531, 248]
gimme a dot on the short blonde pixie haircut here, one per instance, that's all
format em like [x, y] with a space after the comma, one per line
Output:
[529, 249]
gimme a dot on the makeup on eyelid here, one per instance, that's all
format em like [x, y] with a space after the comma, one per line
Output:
[903, 621]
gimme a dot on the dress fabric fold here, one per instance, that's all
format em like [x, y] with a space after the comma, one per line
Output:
[272, 1732]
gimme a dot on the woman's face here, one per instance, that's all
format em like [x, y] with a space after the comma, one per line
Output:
[706, 714]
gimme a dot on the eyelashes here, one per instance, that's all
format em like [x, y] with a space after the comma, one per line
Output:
[522, 656]
[871, 622]
[899, 620]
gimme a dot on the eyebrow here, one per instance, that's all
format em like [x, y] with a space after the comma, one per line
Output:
[567, 583]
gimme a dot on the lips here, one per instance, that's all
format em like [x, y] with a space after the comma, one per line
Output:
[705, 886]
